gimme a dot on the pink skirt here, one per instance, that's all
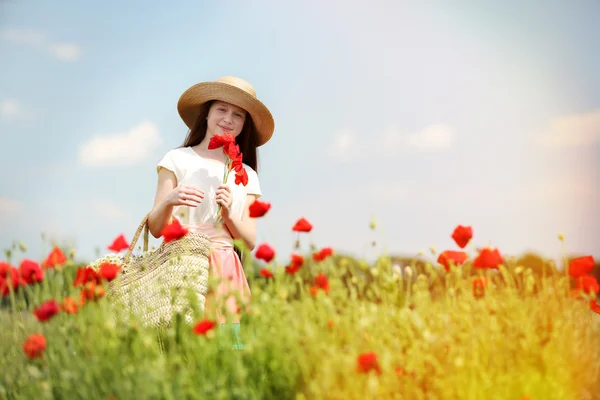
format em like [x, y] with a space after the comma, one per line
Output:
[226, 268]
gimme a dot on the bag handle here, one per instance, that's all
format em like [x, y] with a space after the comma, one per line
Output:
[144, 226]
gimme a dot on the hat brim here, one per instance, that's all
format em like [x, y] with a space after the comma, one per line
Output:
[191, 100]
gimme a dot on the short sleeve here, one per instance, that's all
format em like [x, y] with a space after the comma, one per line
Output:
[168, 162]
[253, 186]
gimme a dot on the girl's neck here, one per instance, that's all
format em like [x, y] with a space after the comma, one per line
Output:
[202, 149]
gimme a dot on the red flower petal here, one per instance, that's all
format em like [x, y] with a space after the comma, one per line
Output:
[265, 273]
[56, 257]
[293, 268]
[4, 268]
[265, 252]
[488, 258]
[220, 140]
[232, 151]
[173, 231]
[297, 259]
[462, 235]
[322, 254]
[241, 176]
[595, 307]
[302, 225]
[34, 346]
[367, 362]
[237, 163]
[108, 271]
[69, 305]
[119, 244]
[46, 310]
[588, 284]
[202, 327]
[259, 208]
[85, 275]
[31, 271]
[450, 256]
[581, 266]
[322, 282]
[10, 281]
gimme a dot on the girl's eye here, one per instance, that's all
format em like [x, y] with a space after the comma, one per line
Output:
[238, 115]
[221, 109]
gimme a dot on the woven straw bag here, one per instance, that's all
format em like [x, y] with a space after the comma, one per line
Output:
[158, 284]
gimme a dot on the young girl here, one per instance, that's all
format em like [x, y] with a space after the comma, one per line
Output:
[190, 186]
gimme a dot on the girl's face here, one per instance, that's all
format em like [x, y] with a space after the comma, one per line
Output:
[225, 118]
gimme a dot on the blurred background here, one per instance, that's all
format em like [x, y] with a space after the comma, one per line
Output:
[416, 116]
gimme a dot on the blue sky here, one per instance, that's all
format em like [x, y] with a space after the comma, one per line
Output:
[422, 115]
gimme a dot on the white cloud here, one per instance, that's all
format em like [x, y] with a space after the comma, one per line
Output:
[62, 51]
[433, 137]
[346, 146]
[65, 51]
[106, 210]
[10, 109]
[571, 130]
[122, 148]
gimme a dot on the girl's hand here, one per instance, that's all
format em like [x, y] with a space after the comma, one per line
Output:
[185, 195]
[225, 200]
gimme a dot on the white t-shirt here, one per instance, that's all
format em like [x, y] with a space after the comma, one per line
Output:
[206, 174]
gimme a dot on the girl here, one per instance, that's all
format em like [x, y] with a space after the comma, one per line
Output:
[190, 186]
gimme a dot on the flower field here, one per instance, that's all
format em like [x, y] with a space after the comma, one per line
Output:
[466, 323]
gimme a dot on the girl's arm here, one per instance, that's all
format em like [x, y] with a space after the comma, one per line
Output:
[169, 195]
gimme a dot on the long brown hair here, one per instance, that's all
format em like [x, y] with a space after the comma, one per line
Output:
[246, 139]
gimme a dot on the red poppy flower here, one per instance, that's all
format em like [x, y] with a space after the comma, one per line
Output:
[91, 291]
[31, 271]
[295, 264]
[367, 362]
[595, 307]
[462, 235]
[450, 256]
[259, 208]
[202, 327]
[265, 273]
[241, 176]
[46, 310]
[4, 268]
[321, 282]
[85, 275]
[292, 268]
[322, 254]
[588, 284]
[108, 271]
[581, 266]
[237, 163]
[479, 285]
[488, 258]
[297, 259]
[220, 140]
[119, 244]
[173, 231]
[232, 150]
[11, 279]
[302, 225]
[265, 252]
[34, 346]
[56, 257]
[69, 305]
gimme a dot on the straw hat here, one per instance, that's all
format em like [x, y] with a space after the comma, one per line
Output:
[231, 90]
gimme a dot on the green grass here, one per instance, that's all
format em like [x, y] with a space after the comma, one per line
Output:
[433, 339]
